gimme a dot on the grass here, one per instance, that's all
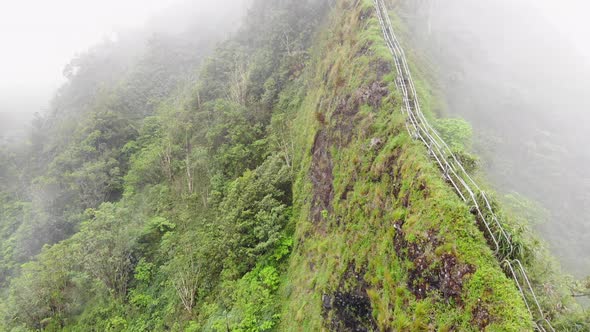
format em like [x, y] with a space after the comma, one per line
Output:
[373, 189]
[550, 283]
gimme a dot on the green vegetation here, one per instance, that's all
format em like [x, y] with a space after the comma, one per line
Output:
[279, 191]
[394, 232]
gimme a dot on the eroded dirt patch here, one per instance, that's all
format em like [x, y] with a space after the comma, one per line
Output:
[382, 67]
[372, 94]
[321, 177]
[431, 273]
[349, 309]
[481, 316]
[344, 117]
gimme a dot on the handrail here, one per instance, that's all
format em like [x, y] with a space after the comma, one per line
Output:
[454, 172]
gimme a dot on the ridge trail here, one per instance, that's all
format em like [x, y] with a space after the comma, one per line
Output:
[454, 172]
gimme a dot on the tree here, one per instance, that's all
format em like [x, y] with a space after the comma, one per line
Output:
[105, 245]
[48, 290]
[255, 211]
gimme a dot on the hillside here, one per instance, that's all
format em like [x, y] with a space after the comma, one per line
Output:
[267, 183]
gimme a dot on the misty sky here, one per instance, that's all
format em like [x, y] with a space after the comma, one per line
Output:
[570, 18]
[39, 37]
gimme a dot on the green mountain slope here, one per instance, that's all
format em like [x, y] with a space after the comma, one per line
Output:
[273, 189]
[382, 241]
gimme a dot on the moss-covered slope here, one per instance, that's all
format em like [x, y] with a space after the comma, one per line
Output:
[382, 242]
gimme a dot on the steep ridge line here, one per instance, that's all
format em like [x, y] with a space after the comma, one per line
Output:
[454, 172]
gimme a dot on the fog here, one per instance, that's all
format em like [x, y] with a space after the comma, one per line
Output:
[518, 71]
[39, 38]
